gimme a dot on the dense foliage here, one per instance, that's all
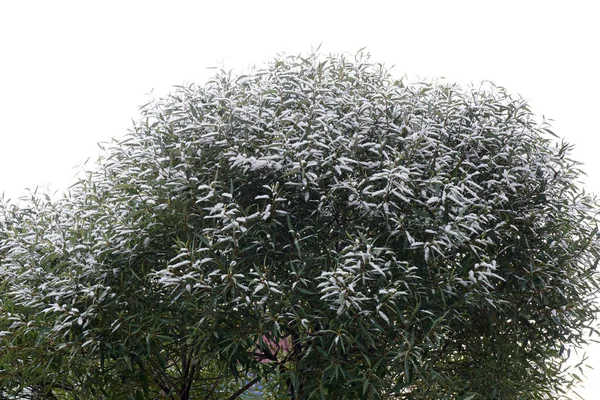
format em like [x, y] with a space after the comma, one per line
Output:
[315, 227]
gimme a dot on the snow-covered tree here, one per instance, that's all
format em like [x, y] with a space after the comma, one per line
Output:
[316, 226]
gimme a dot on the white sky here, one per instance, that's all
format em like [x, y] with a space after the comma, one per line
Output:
[73, 73]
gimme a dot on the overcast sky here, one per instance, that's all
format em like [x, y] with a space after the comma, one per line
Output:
[73, 74]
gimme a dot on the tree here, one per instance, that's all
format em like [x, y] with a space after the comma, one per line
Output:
[317, 226]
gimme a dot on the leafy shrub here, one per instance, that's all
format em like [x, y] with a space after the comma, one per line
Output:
[318, 225]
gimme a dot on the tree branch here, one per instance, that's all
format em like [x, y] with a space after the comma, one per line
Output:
[242, 390]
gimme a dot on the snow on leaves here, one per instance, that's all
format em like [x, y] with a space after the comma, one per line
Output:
[309, 196]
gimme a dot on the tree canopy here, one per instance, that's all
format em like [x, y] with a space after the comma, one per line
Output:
[316, 227]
